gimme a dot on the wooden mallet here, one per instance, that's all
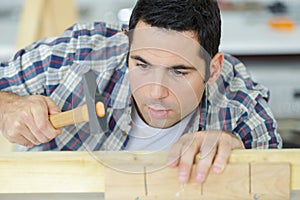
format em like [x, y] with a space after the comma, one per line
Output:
[93, 111]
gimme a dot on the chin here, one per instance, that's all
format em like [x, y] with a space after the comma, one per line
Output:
[160, 124]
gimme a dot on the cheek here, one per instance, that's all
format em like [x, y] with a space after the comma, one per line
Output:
[139, 93]
[198, 91]
[189, 96]
[138, 90]
[138, 81]
[137, 85]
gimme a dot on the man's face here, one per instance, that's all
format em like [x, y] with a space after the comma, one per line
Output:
[167, 84]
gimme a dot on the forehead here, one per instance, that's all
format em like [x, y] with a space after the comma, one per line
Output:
[166, 43]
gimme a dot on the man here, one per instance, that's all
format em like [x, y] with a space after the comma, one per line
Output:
[169, 79]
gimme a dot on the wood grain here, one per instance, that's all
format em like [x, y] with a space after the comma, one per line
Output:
[238, 181]
[75, 172]
[50, 172]
[269, 180]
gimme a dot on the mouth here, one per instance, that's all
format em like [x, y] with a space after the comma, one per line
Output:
[158, 112]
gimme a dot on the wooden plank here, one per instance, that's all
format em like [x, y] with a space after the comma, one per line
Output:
[123, 184]
[58, 16]
[233, 184]
[50, 172]
[5, 145]
[291, 156]
[229, 184]
[270, 181]
[161, 185]
[44, 18]
[73, 172]
[30, 22]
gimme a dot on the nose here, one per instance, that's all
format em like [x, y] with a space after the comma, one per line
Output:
[158, 91]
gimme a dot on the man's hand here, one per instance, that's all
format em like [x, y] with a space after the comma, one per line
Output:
[25, 121]
[214, 148]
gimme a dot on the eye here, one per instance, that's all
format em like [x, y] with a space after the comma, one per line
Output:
[142, 65]
[178, 72]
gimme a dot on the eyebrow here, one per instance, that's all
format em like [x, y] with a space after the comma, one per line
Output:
[139, 58]
[176, 67]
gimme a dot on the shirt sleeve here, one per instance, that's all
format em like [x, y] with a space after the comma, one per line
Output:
[240, 106]
[256, 126]
[37, 67]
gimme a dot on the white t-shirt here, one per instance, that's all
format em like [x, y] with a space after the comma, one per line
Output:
[145, 137]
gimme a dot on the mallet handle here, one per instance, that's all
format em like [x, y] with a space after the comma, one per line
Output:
[77, 115]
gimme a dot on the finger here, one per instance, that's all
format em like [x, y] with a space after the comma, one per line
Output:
[14, 130]
[174, 154]
[42, 128]
[24, 142]
[223, 153]
[28, 119]
[203, 166]
[207, 154]
[52, 107]
[27, 134]
[19, 139]
[186, 162]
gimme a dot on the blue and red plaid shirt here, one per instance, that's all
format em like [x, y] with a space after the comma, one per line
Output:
[53, 67]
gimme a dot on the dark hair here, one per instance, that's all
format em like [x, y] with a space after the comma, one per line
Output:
[201, 16]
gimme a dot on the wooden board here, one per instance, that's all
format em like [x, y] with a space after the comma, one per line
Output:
[238, 181]
[270, 181]
[44, 18]
[50, 172]
[77, 172]
[291, 156]
[5, 145]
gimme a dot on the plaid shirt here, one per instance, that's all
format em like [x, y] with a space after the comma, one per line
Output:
[53, 67]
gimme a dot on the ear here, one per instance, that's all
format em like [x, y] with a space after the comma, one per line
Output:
[215, 67]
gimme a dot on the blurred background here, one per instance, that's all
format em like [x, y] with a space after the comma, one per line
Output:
[264, 34]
